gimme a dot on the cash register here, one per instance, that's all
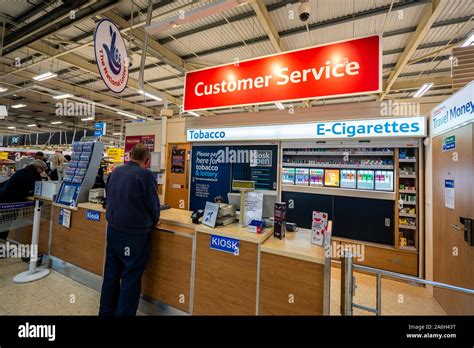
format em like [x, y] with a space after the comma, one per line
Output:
[225, 215]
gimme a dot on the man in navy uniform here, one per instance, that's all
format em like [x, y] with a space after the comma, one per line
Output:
[133, 208]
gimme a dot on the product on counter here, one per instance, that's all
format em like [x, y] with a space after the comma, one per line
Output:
[319, 227]
[279, 224]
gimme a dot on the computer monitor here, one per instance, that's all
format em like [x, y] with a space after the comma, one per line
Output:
[269, 200]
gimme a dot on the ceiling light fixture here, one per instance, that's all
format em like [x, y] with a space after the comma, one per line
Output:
[11, 127]
[56, 122]
[32, 125]
[117, 133]
[127, 115]
[423, 90]
[469, 41]
[17, 106]
[88, 119]
[279, 105]
[193, 113]
[149, 95]
[63, 96]
[45, 76]
[3, 89]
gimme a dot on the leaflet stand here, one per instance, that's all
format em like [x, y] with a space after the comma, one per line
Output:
[80, 174]
[243, 186]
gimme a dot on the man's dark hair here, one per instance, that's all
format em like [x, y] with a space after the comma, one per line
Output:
[140, 152]
[39, 154]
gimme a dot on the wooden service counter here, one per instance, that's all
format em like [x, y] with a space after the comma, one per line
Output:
[294, 276]
[227, 283]
[167, 278]
[267, 276]
[83, 243]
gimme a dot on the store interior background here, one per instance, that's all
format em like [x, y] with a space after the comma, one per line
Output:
[420, 45]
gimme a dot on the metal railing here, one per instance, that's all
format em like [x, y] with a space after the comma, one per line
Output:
[348, 285]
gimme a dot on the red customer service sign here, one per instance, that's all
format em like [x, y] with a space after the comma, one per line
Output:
[341, 68]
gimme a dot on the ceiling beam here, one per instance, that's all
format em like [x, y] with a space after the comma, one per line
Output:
[432, 12]
[82, 63]
[36, 96]
[81, 91]
[266, 22]
[161, 52]
[417, 83]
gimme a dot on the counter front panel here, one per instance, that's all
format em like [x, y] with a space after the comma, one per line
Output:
[83, 244]
[225, 284]
[289, 286]
[168, 275]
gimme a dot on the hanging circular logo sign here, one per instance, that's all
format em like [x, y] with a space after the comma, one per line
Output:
[111, 56]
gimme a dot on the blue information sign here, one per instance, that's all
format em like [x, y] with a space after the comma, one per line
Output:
[92, 215]
[99, 129]
[225, 244]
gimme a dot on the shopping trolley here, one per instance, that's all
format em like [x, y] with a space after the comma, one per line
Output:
[24, 214]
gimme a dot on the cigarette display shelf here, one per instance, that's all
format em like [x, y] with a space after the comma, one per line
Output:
[350, 152]
[406, 211]
[407, 227]
[337, 166]
[410, 192]
[406, 215]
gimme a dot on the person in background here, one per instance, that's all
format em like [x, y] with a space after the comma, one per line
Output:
[40, 156]
[133, 208]
[56, 161]
[99, 178]
[21, 185]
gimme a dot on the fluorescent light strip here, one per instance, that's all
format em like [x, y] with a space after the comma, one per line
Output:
[117, 133]
[149, 95]
[17, 106]
[469, 41]
[32, 125]
[44, 76]
[193, 113]
[127, 115]
[11, 127]
[63, 96]
[279, 105]
[2, 89]
[87, 119]
[423, 90]
[56, 122]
